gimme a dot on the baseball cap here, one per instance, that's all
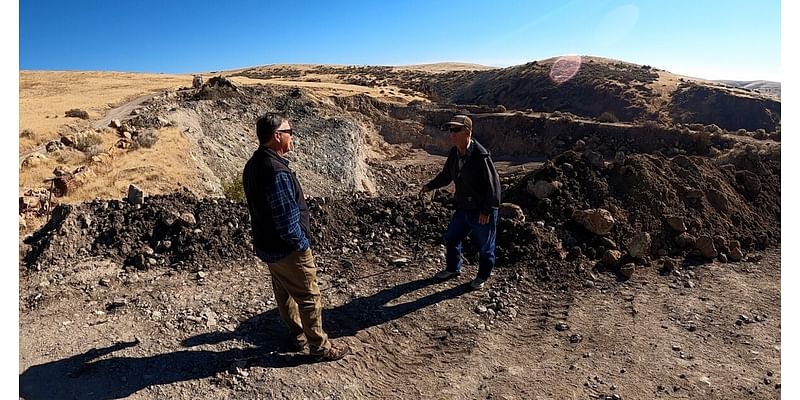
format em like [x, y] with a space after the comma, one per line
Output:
[458, 120]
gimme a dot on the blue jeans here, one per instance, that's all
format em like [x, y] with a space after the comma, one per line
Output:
[462, 224]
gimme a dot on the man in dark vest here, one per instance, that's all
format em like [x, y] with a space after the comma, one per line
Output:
[280, 222]
[477, 199]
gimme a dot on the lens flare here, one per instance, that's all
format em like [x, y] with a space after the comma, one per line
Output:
[564, 68]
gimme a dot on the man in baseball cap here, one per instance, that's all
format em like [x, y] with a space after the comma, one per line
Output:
[477, 199]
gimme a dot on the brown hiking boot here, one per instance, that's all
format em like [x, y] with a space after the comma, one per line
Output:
[298, 345]
[332, 354]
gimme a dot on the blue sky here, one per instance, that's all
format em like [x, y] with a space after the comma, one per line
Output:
[731, 39]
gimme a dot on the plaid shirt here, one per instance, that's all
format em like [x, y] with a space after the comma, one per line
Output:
[286, 216]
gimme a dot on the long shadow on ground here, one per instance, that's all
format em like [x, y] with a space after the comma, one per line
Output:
[86, 376]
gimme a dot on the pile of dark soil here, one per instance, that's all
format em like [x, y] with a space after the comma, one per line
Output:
[734, 199]
[182, 231]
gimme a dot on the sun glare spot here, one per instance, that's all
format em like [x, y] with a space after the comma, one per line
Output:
[564, 69]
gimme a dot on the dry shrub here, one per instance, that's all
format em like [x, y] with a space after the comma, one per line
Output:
[85, 142]
[608, 117]
[77, 113]
[27, 133]
[233, 188]
[145, 139]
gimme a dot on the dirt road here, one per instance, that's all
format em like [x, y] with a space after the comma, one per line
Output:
[121, 113]
[711, 332]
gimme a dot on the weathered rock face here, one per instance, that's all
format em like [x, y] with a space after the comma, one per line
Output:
[537, 135]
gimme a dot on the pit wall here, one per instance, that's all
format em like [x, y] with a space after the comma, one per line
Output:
[541, 135]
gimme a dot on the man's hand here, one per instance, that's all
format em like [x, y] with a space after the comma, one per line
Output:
[423, 191]
[483, 219]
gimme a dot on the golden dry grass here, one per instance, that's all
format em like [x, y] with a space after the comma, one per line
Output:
[44, 96]
[160, 169]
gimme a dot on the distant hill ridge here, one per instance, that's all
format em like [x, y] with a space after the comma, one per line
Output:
[762, 86]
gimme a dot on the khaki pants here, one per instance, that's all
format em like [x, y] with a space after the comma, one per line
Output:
[294, 281]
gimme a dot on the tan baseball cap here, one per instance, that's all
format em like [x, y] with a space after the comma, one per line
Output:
[458, 120]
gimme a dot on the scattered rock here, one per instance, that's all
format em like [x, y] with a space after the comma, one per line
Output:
[512, 212]
[639, 245]
[627, 269]
[135, 195]
[598, 221]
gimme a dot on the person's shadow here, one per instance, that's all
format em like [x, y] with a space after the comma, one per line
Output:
[87, 376]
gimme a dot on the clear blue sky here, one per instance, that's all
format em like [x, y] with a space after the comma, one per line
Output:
[724, 39]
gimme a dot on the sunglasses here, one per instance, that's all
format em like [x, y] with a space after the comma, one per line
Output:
[455, 129]
[289, 131]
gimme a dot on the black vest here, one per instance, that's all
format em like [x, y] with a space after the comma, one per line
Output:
[258, 181]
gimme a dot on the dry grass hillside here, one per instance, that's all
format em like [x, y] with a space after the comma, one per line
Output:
[44, 97]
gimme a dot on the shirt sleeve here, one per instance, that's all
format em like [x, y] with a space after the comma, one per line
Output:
[492, 187]
[444, 177]
[286, 213]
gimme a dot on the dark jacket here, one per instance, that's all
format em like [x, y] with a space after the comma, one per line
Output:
[258, 180]
[477, 183]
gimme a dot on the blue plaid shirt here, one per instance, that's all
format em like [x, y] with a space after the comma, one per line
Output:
[286, 216]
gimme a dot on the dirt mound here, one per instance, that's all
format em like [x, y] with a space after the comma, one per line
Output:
[216, 88]
[171, 230]
[183, 232]
[689, 206]
[713, 105]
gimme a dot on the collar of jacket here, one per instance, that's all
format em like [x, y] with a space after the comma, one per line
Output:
[272, 154]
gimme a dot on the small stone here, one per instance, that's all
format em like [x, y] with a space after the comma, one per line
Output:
[676, 347]
[202, 274]
[187, 219]
[575, 338]
[628, 269]
[562, 326]
[135, 195]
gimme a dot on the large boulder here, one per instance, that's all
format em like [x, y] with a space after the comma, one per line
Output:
[639, 245]
[543, 189]
[676, 223]
[135, 195]
[511, 211]
[705, 246]
[596, 220]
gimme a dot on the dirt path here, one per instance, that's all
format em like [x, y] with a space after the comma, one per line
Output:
[121, 113]
[712, 332]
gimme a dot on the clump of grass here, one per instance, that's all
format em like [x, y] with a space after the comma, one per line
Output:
[233, 188]
[27, 133]
[85, 143]
[146, 139]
